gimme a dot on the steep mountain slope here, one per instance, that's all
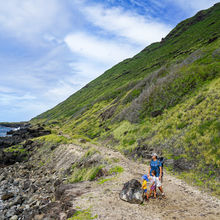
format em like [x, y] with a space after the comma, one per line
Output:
[164, 99]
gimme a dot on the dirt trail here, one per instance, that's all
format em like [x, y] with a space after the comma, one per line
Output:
[182, 202]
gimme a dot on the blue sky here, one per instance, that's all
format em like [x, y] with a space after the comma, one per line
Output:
[51, 48]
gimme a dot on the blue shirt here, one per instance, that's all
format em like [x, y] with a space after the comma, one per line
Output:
[155, 165]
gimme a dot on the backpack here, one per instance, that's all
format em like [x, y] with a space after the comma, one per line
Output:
[161, 159]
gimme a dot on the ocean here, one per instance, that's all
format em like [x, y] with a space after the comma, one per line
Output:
[3, 131]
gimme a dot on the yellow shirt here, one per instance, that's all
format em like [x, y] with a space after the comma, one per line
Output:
[144, 184]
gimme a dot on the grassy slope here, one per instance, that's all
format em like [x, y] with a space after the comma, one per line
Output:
[176, 80]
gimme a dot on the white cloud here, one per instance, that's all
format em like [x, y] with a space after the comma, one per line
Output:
[98, 49]
[5, 89]
[59, 92]
[28, 19]
[6, 99]
[127, 24]
[88, 68]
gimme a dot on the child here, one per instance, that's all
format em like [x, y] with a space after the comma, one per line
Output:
[144, 184]
[154, 183]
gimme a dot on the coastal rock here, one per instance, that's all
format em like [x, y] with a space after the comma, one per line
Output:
[22, 134]
[132, 192]
[11, 212]
[26, 185]
[14, 217]
[7, 196]
[18, 200]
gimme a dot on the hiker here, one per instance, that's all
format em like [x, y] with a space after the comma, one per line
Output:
[156, 165]
[144, 185]
[153, 184]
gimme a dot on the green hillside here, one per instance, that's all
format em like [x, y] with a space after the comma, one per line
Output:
[164, 99]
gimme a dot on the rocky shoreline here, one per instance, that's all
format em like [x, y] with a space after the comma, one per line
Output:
[29, 190]
[24, 133]
[21, 137]
[26, 190]
[14, 124]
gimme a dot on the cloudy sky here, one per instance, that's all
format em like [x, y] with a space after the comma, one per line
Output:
[51, 48]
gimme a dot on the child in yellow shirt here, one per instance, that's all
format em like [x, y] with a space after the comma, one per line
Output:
[144, 184]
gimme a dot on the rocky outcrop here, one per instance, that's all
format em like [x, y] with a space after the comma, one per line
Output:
[27, 192]
[14, 124]
[11, 156]
[22, 134]
[132, 192]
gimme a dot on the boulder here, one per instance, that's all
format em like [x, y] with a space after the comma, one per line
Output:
[7, 196]
[132, 192]
[14, 217]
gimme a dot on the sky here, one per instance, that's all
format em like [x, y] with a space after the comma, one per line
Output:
[49, 49]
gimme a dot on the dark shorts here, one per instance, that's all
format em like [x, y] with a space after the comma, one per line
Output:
[145, 190]
[153, 187]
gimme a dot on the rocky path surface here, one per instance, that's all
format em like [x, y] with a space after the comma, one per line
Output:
[182, 201]
[33, 192]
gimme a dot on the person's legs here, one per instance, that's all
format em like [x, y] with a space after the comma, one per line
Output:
[161, 189]
[155, 194]
[152, 189]
[146, 195]
[159, 185]
[150, 193]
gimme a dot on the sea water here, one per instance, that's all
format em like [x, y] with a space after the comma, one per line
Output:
[4, 130]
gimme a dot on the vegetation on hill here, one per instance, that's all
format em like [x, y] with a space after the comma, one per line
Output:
[164, 99]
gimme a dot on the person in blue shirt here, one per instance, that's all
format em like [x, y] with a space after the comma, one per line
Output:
[156, 165]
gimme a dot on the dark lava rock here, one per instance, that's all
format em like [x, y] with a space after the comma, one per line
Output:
[7, 196]
[18, 200]
[143, 151]
[34, 188]
[57, 182]
[60, 190]
[8, 158]
[26, 185]
[132, 192]
[24, 133]
[70, 213]
[18, 136]
[53, 147]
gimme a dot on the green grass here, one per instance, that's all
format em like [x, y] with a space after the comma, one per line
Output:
[83, 215]
[84, 174]
[113, 171]
[16, 149]
[104, 180]
[116, 170]
[91, 152]
[53, 138]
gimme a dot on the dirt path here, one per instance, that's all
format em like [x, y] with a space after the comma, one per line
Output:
[182, 202]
